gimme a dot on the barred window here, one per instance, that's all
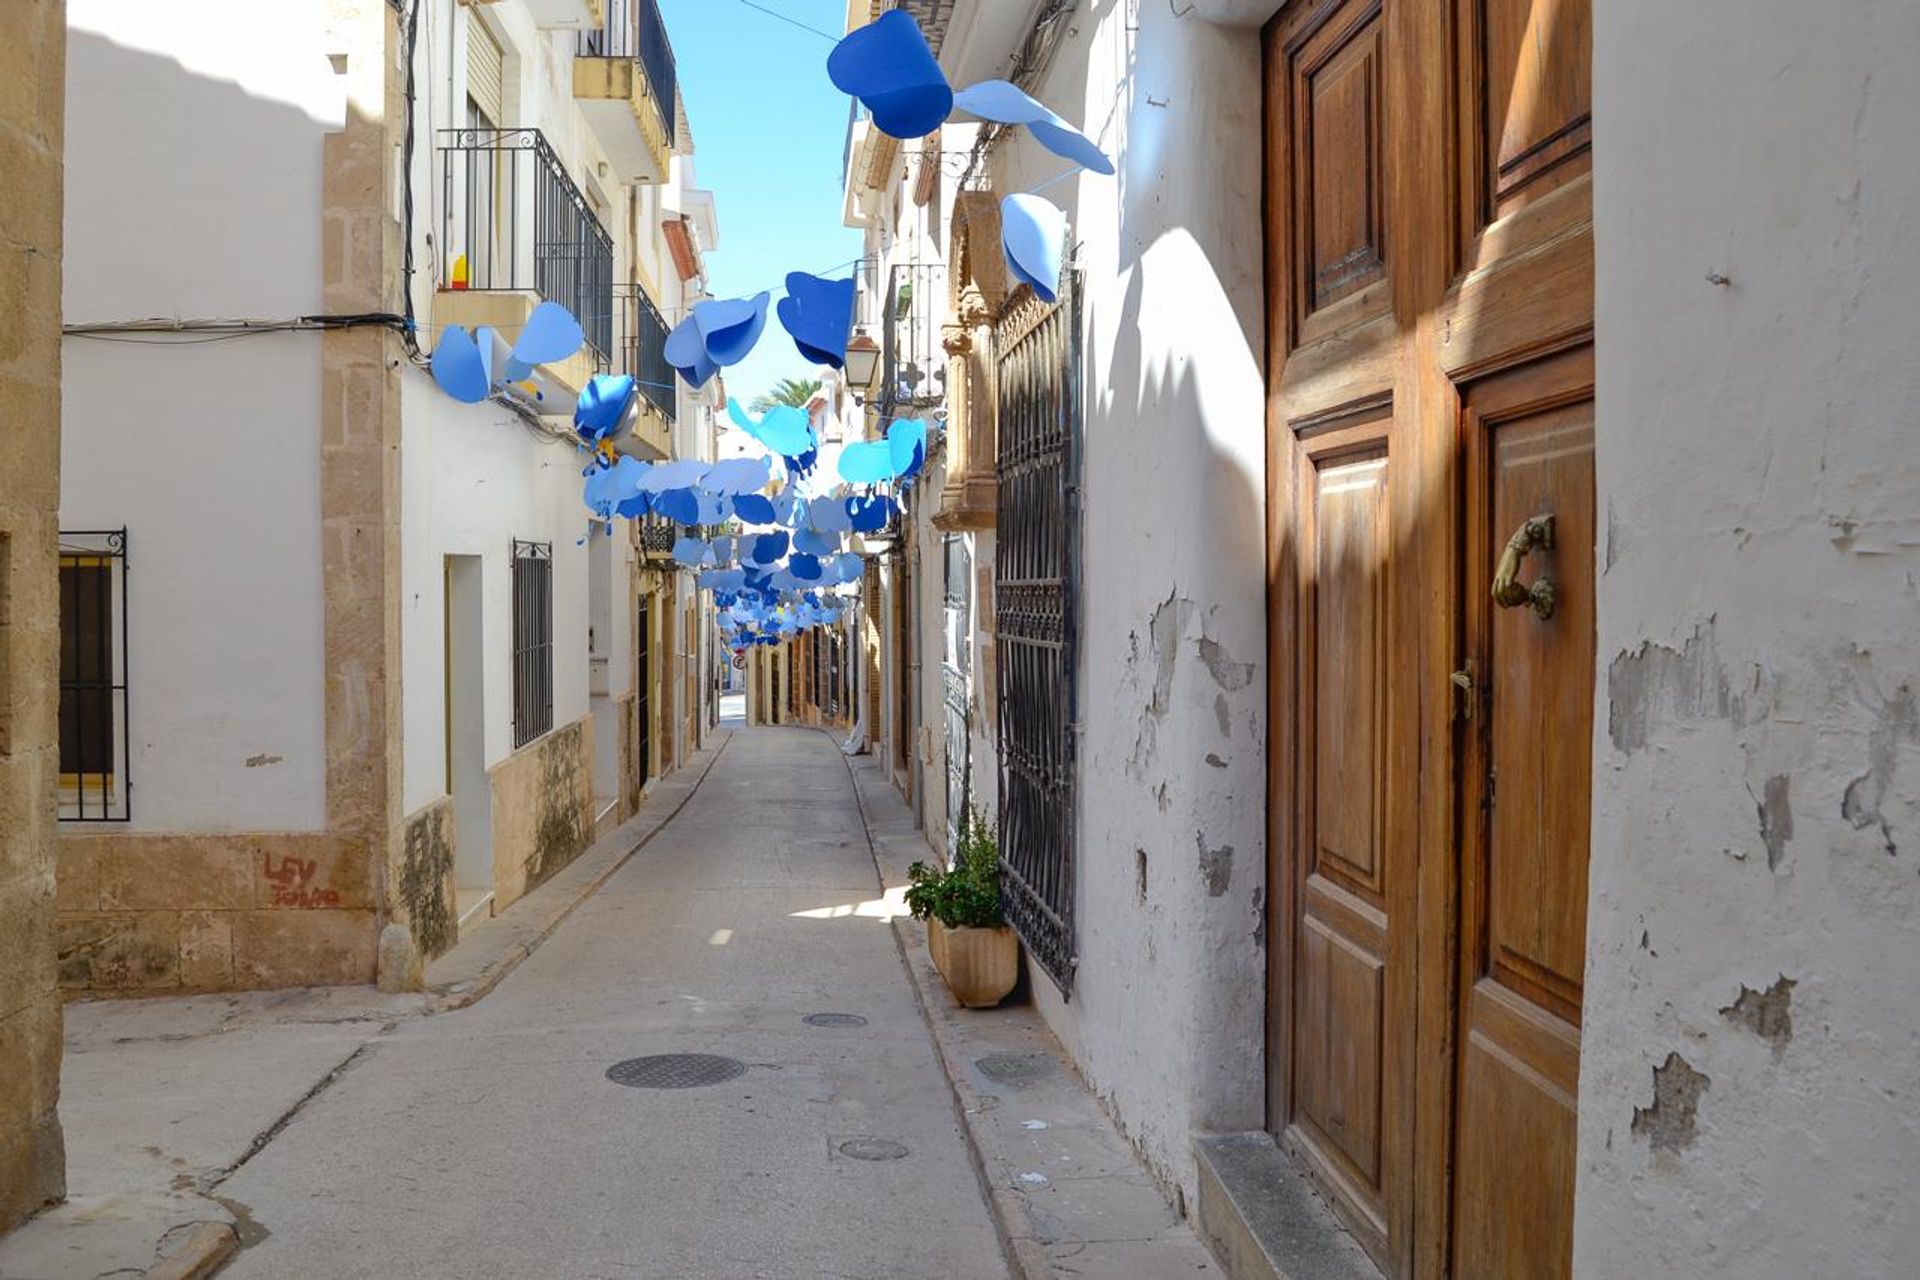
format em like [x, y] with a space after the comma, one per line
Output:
[94, 762]
[532, 640]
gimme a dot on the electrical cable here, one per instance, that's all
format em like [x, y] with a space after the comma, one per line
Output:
[792, 22]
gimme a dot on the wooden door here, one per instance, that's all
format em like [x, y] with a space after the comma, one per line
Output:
[1429, 254]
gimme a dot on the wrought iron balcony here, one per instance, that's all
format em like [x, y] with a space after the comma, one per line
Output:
[627, 86]
[913, 364]
[513, 221]
[641, 338]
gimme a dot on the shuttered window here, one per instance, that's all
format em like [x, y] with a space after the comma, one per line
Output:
[486, 73]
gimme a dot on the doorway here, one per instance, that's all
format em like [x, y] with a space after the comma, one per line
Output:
[466, 744]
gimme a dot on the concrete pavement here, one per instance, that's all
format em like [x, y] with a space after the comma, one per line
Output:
[490, 1142]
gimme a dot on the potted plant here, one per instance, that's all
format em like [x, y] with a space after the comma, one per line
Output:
[972, 946]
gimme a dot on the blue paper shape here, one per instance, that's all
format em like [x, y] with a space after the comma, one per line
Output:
[550, 334]
[784, 429]
[635, 507]
[681, 473]
[803, 566]
[785, 503]
[869, 461]
[1007, 103]
[728, 327]
[870, 515]
[1033, 234]
[811, 542]
[686, 351]
[689, 551]
[769, 547]
[907, 445]
[888, 65]
[818, 315]
[681, 506]
[850, 565]
[828, 515]
[459, 368]
[753, 508]
[738, 475]
[602, 407]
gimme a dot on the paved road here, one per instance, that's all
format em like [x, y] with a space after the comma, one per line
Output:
[490, 1143]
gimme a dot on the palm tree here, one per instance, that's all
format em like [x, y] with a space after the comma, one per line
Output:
[794, 392]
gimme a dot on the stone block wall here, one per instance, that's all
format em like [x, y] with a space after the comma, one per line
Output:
[542, 810]
[178, 913]
[32, 114]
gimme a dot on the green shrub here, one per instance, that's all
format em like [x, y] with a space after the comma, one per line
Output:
[968, 896]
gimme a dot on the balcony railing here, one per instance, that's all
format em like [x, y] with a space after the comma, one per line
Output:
[642, 348]
[634, 30]
[913, 364]
[511, 219]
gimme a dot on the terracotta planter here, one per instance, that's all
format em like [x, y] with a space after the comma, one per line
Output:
[980, 965]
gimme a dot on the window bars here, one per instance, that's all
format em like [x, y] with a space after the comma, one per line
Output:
[642, 343]
[96, 781]
[912, 361]
[512, 219]
[634, 29]
[532, 640]
[1036, 572]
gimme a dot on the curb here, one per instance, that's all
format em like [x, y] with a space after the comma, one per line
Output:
[459, 994]
[1013, 1223]
[206, 1248]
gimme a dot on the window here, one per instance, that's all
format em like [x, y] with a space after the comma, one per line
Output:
[94, 781]
[532, 640]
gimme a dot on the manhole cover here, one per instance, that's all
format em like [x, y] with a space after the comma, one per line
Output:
[871, 1149]
[676, 1071]
[1013, 1068]
[834, 1020]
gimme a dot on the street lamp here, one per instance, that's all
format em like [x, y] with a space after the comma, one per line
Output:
[863, 360]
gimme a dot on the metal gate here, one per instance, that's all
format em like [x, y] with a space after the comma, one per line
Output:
[956, 686]
[1036, 570]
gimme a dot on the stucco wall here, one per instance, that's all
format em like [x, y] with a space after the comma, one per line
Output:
[32, 1156]
[1749, 1064]
[1167, 1015]
[205, 452]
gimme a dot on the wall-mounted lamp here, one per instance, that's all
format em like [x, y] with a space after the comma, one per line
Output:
[863, 360]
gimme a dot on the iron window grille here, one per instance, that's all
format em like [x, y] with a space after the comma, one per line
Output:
[642, 349]
[912, 361]
[532, 640]
[1036, 584]
[96, 781]
[511, 211]
[634, 29]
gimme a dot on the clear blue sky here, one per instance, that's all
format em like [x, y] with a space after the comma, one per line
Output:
[768, 128]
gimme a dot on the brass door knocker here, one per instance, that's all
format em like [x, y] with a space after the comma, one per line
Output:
[1508, 591]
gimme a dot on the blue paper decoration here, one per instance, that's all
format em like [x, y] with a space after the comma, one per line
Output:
[1033, 233]
[602, 408]
[784, 429]
[608, 488]
[828, 515]
[869, 461]
[812, 543]
[681, 473]
[849, 565]
[738, 475]
[907, 445]
[803, 566]
[889, 67]
[870, 515]
[678, 505]
[687, 353]
[459, 368]
[818, 315]
[1005, 102]
[753, 508]
[550, 334]
[690, 551]
[769, 547]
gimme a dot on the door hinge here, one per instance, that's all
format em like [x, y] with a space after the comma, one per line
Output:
[1463, 681]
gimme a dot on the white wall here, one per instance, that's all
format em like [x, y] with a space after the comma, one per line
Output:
[1757, 744]
[193, 188]
[1168, 1009]
[474, 477]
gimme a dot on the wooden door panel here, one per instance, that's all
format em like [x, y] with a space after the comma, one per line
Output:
[1524, 800]
[1527, 101]
[1349, 694]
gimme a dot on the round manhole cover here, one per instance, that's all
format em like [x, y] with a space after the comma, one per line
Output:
[1013, 1068]
[676, 1071]
[834, 1020]
[872, 1149]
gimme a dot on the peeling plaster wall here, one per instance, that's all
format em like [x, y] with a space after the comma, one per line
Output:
[1749, 1065]
[1167, 1014]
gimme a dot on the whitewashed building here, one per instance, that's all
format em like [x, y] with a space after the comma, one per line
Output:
[342, 649]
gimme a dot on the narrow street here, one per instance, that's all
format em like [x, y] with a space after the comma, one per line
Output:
[491, 1143]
